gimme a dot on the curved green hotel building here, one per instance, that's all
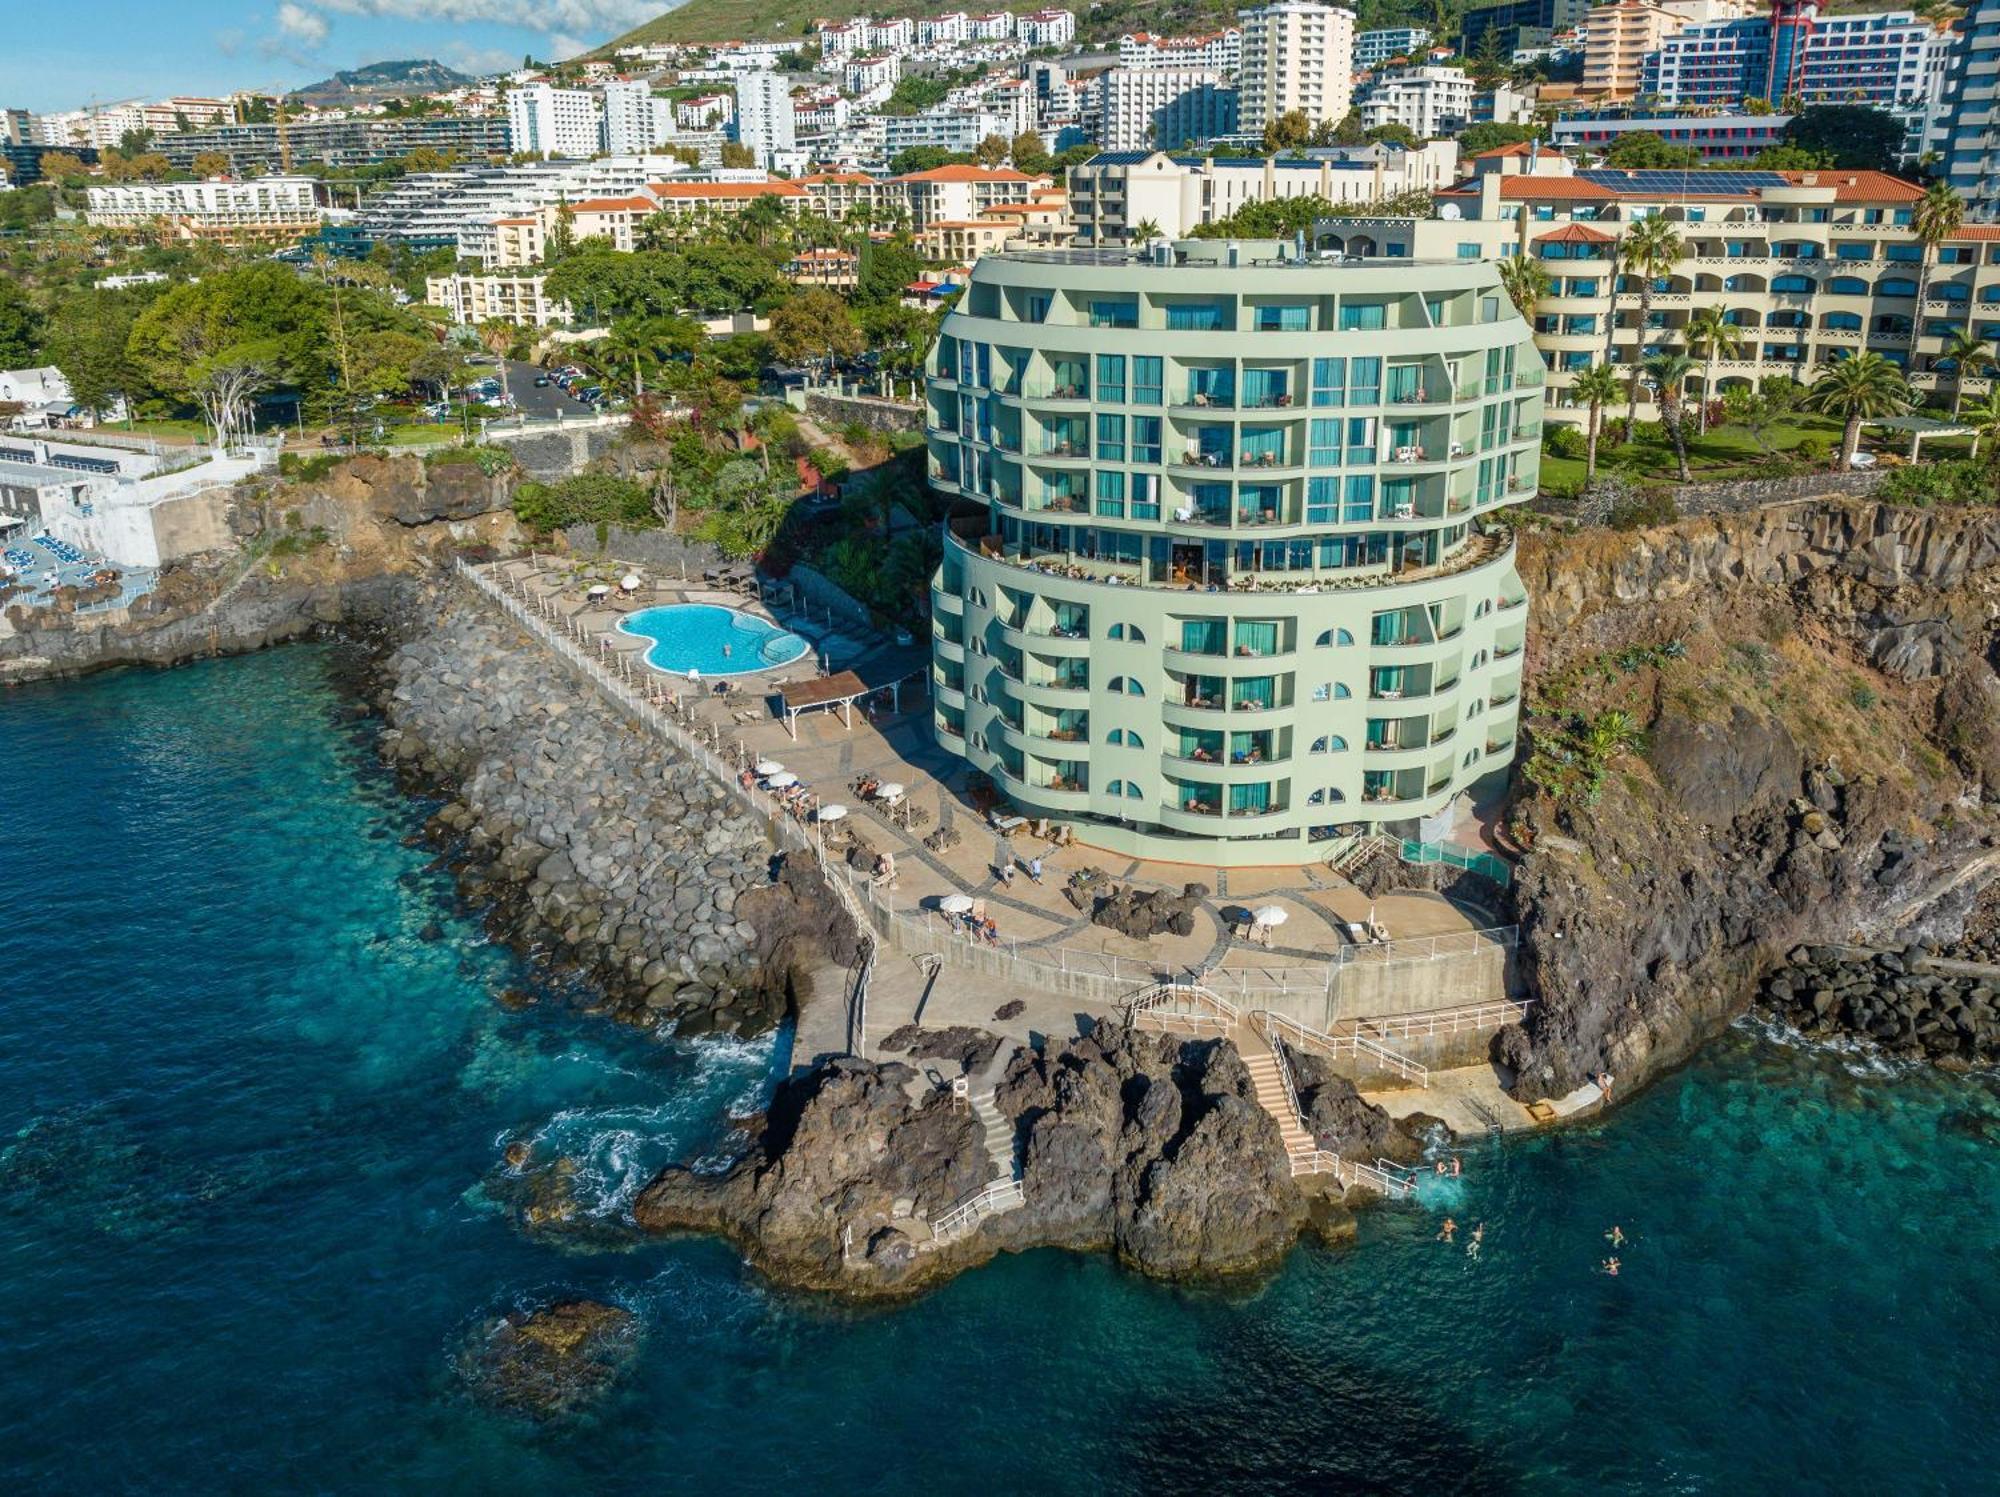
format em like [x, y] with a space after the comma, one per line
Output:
[1222, 583]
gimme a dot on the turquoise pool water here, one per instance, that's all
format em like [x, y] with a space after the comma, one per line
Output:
[246, 1108]
[711, 639]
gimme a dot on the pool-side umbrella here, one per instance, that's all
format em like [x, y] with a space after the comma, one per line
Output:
[1269, 914]
[890, 791]
[832, 813]
[630, 582]
[768, 767]
[784, 779]
[599, 589]
[956, 904]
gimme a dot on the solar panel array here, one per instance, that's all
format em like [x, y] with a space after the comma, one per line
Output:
[58, 460]
[1669, 182]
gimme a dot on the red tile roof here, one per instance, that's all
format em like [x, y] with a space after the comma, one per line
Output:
[1533, 187]
[1859, 187]
[1576, 234]
[742, 190]
[614, 205]
[965, 173]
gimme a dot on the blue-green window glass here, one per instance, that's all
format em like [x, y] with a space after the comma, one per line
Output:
[1038, 308]
[1329, 381]
[1148, 378]
[1111, 438]
[1364, 381]
[1145, 439]
[1145, 491]
[1111, 378]
[1360, 440]
[1259, 691]
[1363, 317]
[1468, 251]
[1323, 442]
[1406, 382]
[1360, 501]
[1256, 637]
[1284, 319]
[1211, 502]
[1259, 503]
[1195, 317]
[1110, 493]
[1212, 387]
[1322, 500]
[1202, 636]
[1266, 387]
[1117, 313]
[1263, 444]
[1249, 799]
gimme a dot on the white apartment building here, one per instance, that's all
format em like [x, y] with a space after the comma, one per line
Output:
[1115, 191]
[1221, 51]
[1431, 101]
[764, 117]
[473, 299]
[1373, 48]
[843, 38]
[865, 73]
[268, 210]
[1297, 55]
[996, 26]
[706, 112]
[1046, 28]
[962, 193]
[634, 120]
[953, 26]
[821, 114]
[554, 121]
[958, 130]
[897, 35]
[1142, 108]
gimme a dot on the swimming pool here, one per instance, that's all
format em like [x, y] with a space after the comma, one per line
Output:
[711, 639]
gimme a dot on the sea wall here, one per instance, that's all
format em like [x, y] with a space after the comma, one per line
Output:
[589, 835]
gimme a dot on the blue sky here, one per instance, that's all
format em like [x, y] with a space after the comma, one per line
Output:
[62, 55]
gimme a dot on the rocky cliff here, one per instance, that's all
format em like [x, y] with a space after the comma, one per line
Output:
[308, 554]
[1744, 733]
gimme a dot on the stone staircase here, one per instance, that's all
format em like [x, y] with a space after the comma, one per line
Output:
[999, 1131]
[1272, 1094]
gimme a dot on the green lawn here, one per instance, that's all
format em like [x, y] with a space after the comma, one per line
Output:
[1724, 452]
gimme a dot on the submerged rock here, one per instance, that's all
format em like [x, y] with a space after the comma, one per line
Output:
[552, 1361]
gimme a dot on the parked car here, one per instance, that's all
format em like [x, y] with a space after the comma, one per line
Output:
[542, 382]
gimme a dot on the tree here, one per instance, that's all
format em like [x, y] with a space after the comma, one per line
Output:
[815, 324]
[1029, 154]
[1712, 335]
[64, 167]
[1526, 281]
[210, 164]
[1789, 158]
[1851, 136]
[1596, 387]
[1475, 139]
[1939, 215]
[887, 266]
[1669, 373]
[1650, 248]
[1288, 132]
[737, 156]
[1965, 349]
[87, 335]
[992, 151]
[1862, 388]
[20, 327]
[1640, 150]
[1984, 419]
[1145, 230]
[1394, 134]
[924, 159]
[562, 234]
[135, 142]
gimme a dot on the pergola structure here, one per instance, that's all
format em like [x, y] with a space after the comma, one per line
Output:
[1919, 427]
[835, 692]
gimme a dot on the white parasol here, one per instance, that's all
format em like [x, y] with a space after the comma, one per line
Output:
[832, 813]
[1269, 914]
[784, 779]
[956, 904]
[768, 767]
[890, 792]
[630, 582]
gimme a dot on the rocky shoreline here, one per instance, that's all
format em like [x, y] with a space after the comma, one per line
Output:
[592, 840]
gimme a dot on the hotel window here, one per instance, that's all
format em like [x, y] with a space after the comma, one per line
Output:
[1323, 446]
[1322, 499]
[1038, 307]
[1120, 313]
[1360, 501]
[1329, 381]
[1145, 439]
[1111, 493]
[1111, 378]
[1364, 378]
[1147, 378]
[1468, 252]
[1200, 317]
[1364, 317]
[1145, 490]
[1111, 438]
[1283, 319]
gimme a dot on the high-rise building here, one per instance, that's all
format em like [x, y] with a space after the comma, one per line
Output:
[1429, 101]
[1297, 55]
[1617, 38]
[1165, 107]
[1373, 48]
[1972, 137]
[1228, 599]
[1888, 59]
[634, 120]
[552, 121]
[764, 117]
[1517, 24]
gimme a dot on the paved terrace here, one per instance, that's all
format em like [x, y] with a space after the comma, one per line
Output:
[1047, 922]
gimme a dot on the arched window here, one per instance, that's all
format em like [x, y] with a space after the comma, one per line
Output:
[1316, 798]
[1335, 795]
[1127, 686]
[1132, 791]
[1850, 322]
[1126, 737]
[1130, 632]
[1329, 743]
[1340, 692]
[1792, 283]
[1847, 285]
[1117, 787]
[1334, 637]
[1895, 285]
[1478, 659]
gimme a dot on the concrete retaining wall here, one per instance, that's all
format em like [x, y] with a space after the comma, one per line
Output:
[830, 409]
[1755, 493]
[557, 452]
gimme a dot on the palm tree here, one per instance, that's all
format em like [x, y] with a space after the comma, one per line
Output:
[1858, 389]
[1939, 215]
[1526, 281]
[1964, 348]
[1146, 230]
[1711, 334]
[1984, 419]
[1650, 248]
[1597, 387]
[1669, 373]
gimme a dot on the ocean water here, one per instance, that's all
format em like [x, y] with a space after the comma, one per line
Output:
[246, 1109]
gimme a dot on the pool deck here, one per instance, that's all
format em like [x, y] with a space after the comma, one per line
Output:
[1034, 920]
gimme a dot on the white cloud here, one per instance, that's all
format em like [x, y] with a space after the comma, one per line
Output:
[299, 26]
[477, 62]
[558, 17]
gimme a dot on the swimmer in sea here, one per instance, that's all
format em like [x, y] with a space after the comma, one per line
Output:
[1616, 1237]
[1478, 1236]
[1611, 1267]
[1454, 1167]
[1448, 1231]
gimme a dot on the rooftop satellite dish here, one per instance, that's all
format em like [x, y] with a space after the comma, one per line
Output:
[1448, 212]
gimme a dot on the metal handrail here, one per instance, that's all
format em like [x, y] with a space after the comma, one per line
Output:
[1355, 1044]
[989, 1200]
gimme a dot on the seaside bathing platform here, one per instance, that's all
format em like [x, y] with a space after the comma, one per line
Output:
[1425, 1001]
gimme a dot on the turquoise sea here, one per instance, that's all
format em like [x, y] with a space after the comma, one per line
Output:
[245, 1109]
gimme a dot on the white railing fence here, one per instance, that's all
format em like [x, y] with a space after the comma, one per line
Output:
[965, 1217]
